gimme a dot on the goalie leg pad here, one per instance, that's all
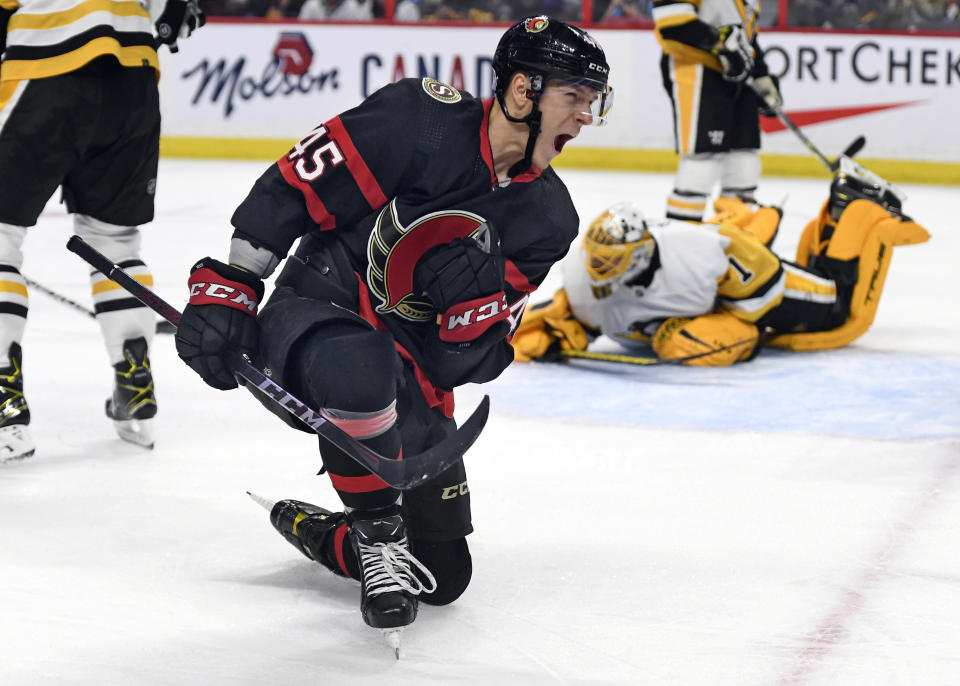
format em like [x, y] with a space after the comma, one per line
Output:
[546, 325]
[718, 340]
[763, 222]
[878, 233]
[809, 244]
[731, 210]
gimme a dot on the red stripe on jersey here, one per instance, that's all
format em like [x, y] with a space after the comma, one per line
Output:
[315, 207]
[527, 176]
[339, 536]
[485, 151]
[358, 484]
[518, 279]
[435, 397]
[358, 168]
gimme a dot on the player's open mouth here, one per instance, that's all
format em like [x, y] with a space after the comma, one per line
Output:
[560, 141]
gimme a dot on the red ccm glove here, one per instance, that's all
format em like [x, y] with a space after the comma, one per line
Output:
[219, 319]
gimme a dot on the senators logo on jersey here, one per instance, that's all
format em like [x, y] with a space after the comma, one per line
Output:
[394, 250]
[438, 90]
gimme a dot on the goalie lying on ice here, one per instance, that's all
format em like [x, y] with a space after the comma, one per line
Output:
[712, 294]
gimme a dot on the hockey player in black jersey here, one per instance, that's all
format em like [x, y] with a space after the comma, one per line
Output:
[426, 219]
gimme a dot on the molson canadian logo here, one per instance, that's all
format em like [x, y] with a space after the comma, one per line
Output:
[394, 250]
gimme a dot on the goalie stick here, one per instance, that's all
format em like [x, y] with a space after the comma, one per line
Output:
[163, 326]
[851, 150]
[403, 474]
[619, 358]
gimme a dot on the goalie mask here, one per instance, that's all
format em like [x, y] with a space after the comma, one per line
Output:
[853, 182]
[617, 246]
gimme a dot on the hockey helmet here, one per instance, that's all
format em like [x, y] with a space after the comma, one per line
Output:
[617, 245]
[854, 182]
[544, 49]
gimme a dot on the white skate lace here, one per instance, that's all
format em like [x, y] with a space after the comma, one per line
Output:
[386, 568]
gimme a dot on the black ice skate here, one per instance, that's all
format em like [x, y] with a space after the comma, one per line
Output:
[391, 577]
[389, 583]
[15, 440]
[134, 403]
[307, 527]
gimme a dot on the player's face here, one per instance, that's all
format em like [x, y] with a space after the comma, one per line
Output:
[565, 108]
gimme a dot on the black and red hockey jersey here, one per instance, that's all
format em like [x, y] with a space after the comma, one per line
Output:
[408, 169]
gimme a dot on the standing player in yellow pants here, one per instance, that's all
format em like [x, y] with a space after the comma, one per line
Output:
[709, 50]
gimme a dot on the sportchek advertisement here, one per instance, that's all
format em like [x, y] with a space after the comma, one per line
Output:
[279, 80]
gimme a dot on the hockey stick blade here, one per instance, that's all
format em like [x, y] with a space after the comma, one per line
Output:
[607, 357]
[403, 474]
[616, 358]
[855, 147]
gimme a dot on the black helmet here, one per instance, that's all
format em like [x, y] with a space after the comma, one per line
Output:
[549, 48]
[544, 49]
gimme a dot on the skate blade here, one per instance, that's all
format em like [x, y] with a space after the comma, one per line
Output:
[4, 458]
[263, 502]
[15, 443]
[136, 431]
[392, 637]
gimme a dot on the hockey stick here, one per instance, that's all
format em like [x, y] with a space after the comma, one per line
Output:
[163, 326]
[403, 474]
[851, 150]
[638, 359]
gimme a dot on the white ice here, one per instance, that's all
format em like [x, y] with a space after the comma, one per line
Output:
[792, 520]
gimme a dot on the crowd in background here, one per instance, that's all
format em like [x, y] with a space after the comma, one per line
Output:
[903, 15]
[915, 15]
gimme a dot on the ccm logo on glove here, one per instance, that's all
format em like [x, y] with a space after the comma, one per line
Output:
[466, 321]
[209, 288]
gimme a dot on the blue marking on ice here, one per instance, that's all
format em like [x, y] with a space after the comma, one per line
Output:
[845, 392]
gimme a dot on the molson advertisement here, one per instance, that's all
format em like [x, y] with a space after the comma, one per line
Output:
[251, 90]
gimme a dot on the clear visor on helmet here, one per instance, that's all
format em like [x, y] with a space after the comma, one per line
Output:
[586, 96]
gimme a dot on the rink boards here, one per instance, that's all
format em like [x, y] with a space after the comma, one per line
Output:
[247, 90]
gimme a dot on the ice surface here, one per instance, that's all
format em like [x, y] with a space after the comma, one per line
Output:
[793, 520]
